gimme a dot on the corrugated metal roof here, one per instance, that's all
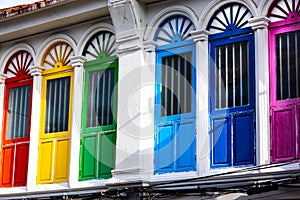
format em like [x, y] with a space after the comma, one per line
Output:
[20, 9]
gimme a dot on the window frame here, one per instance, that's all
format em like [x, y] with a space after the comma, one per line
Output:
[277, 28]
[169, 50]
[249, 37]
[47, 77]
[95, 65]
[14, 83]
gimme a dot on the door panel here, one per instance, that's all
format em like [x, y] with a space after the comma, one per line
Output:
[186, 146]
[7, 169]
[220, 142]
[164, 146]
[88, 156]
[243, 138]
[21, 166]
[107, 154]
[283, 133]
[62, 153]
[46, 151]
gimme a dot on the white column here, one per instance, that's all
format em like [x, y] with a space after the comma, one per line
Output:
[36, 72]
[202, 127]
[147, 107]
[129, 164]
[77, 63]
[2, 87]
[260, 27]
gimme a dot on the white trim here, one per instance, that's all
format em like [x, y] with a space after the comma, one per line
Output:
[210, 10]
[264, 7]
[50, 41]
[12, 50]
[165, 13]
[91, 32]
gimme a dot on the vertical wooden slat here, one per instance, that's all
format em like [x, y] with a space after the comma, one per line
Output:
[233, 73]
[280, 66]
[91, 118]
[13, 111]
[108, 97]
[220, 79]
[60, 99]
[103, 86]
[165, 86]
[288, 66]
[226, 75]
[172, 85]
[54, 100]
[180, 103]
[66, 103]
[296, 65]
[241, 73]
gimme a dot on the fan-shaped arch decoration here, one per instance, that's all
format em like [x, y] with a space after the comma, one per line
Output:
[18, 64]
[102, 44]
[228, 18]
[284, 9]
[174, 29]
[57, 56]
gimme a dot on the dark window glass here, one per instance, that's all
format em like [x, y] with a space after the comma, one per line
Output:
[176, 97]
[232, 75]
[18, 112]
[57, 105]
[100, 98]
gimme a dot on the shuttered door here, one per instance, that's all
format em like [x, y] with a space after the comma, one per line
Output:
[232, 102]
[15, 145]
[54, 144]
[175, 144]
[97, 157]
[285, 93]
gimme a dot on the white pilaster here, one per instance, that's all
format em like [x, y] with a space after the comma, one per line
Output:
[147, 107]
[202, 65]
[2, 87]
[36, 72]
[130, 164]
[260, 27]
[77, 62]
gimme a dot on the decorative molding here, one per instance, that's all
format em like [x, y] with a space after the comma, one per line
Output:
[77, 61]
[133, 177]
[2, 78]
[167, 12]
[259, 22]
[52, 40]
[149, 46]
[200, 35]
[91, 32]
[36, 70]
[127, 44]
[214, 6]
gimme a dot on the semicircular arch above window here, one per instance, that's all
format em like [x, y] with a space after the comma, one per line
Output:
[100, 45]
[18, 64]
[174, 29]
[229, 17]
[284, 9]
[57, 56]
